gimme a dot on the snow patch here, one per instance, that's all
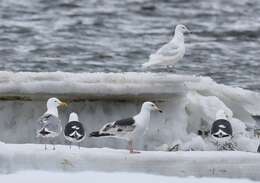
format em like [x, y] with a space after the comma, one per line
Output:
[41, 176]
[23, 157]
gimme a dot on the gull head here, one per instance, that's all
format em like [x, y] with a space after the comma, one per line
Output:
[182, 29]
[151, 107]
[221, 114]
[73, 117]
[54, 103]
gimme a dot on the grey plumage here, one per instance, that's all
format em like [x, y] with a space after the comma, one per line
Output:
[120, 128]
[49, 126]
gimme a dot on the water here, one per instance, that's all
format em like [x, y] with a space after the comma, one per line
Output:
[118, 36]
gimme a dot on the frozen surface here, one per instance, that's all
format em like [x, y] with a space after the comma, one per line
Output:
[207, 164]
[92, 85]
[100, 177]
[189, 103]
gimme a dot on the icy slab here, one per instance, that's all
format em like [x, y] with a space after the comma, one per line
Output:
[27, 85]
[40, 176]
[189, 103]
[249, 100]
[199, 164]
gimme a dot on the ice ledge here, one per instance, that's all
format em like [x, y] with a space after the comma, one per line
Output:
[211, 164]
[120, 86]
[28, 85]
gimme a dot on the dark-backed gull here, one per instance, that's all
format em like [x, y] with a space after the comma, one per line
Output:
[222, 132]
[74, 130]
[129, 128]
[49, 123]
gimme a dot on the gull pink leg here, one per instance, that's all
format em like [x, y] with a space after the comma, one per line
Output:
[130, 147]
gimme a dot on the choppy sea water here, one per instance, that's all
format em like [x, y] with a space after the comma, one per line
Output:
[119, 35]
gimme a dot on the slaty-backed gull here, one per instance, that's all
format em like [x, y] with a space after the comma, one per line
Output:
[129, 128]
[74, 130]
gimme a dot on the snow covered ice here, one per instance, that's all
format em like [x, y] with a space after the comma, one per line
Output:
[188, 102]
[40, 176]
[21, 157]
[98, 98]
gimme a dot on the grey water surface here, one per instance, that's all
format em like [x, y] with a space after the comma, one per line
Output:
[119, 35]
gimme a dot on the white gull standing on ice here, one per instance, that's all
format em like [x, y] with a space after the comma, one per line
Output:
[74, 130]
[172, 52]
[129, 128]
[49, 123]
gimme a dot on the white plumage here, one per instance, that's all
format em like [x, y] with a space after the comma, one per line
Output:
[172, 52]
[49, 124]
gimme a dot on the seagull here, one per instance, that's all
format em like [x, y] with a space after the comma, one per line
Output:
[49, 123]
[221, 114]
[221, 129]
[74, 130]
[129, 128]
[172, 52]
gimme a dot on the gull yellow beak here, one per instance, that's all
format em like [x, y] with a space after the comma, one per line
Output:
[63, 104]
[158, 109]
